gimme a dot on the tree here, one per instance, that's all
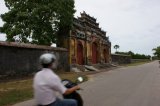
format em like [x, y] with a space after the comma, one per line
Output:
[157, 52]
[131, 53]
[39, 20]
[116, 47]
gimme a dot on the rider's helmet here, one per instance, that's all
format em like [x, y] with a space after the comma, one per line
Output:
[47, 59]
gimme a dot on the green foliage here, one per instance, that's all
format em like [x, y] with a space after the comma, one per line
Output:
[140, 56]
[157, 52]
[135, 56]
[39, 20]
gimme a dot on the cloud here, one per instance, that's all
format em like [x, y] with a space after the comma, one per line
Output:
[2, 37]
[3, 9]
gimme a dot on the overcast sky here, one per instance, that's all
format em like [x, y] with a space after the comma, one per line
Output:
[132, 24]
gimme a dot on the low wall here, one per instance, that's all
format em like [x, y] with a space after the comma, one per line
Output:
[139, 60]
[17, 59]
[121, 59]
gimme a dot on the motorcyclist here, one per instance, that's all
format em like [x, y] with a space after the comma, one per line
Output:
[46, 83]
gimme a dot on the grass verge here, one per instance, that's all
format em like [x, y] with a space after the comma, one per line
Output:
[136, 63]
[20, 90]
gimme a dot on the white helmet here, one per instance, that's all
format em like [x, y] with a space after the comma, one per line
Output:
[47, 58]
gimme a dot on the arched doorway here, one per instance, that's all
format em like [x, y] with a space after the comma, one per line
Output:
[80, 53]
[94, 53]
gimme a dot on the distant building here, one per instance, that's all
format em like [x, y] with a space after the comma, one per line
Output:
[88, 42]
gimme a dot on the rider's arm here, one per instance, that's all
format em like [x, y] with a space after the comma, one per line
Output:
[70, 90]
[55, 83]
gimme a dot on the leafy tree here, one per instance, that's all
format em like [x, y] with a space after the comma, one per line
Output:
[116, 47]
[131, 53]
[39, 20]
[157, 52]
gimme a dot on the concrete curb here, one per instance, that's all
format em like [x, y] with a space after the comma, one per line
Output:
[26, 103]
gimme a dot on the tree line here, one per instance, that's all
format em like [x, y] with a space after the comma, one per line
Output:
[140, 56]
[134, 55]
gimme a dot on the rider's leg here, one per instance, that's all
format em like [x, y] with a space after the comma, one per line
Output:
[65, 102]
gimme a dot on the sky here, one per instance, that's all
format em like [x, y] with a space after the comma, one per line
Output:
[134, 25]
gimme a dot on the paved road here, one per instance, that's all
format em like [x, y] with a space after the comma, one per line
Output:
[129, 86]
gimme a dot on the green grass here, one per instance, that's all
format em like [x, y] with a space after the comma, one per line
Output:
[13, 92]
[20, 90]
[14, 96]
[136, 63]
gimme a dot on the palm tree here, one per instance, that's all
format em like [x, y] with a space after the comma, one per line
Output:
[116, 47]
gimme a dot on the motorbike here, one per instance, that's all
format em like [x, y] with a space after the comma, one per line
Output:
[74, 95]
